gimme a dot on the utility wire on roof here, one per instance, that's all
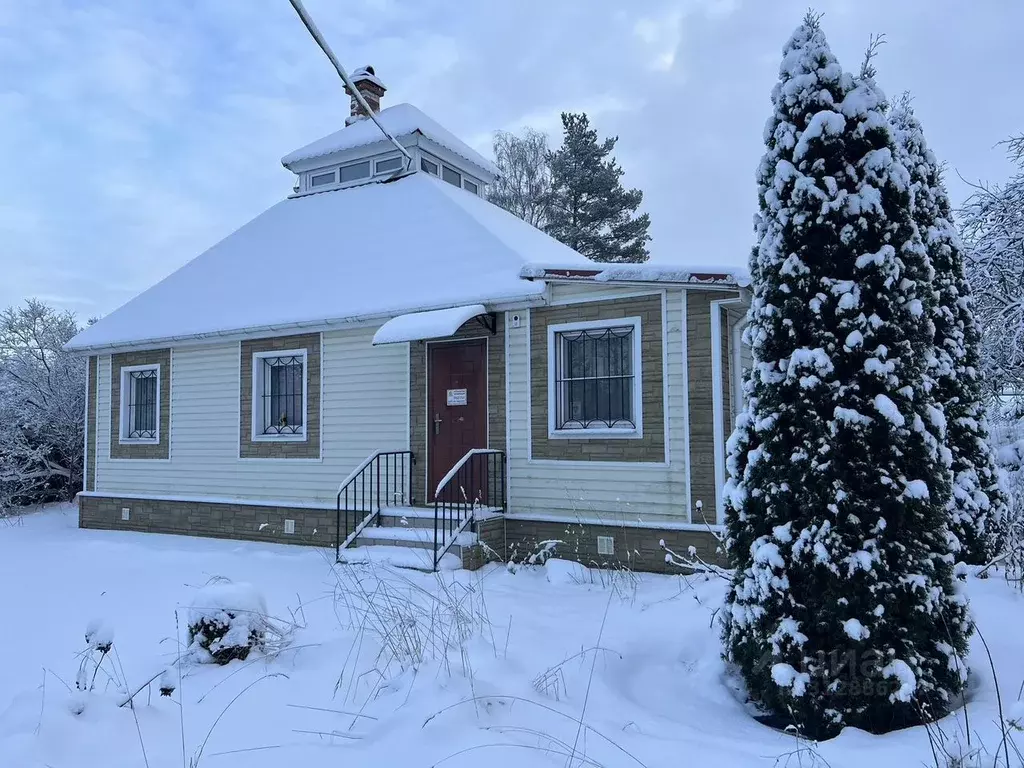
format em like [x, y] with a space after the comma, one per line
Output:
[319, 38]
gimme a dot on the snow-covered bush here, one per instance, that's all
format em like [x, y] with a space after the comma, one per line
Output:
[842, 609]
[1011, 461]
[94, 659]
[537, 556]
[226, 621]
[977, 503]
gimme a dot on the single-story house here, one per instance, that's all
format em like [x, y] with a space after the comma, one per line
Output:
[386, 359]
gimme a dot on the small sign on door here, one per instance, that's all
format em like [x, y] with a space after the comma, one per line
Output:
[457, 397]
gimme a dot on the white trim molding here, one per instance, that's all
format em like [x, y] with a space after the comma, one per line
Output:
[554, 355]
[508, 412]
[85, 431]
[686, 407]
[124, 395]
[737, 366]
[259, 384]
[717, 401]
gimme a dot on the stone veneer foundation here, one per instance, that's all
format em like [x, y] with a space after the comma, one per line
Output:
[256, 522]
[501, 538]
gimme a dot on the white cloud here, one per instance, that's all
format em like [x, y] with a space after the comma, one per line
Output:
[135, 135]
[661, 35]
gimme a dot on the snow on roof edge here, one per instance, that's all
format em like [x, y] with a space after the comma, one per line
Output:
[285, 328]
[425, 125]
[433, 324]
[642, 273]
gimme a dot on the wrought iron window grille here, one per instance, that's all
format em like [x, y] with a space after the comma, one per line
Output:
[283, 408]
[142, 405]
[594, 379]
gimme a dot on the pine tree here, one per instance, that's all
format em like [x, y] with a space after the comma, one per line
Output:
[978, 502]
[589, 209]
[842, 611]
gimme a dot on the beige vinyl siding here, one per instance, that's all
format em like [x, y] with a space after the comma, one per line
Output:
[365, 408]
[597, 488]
[563, 292]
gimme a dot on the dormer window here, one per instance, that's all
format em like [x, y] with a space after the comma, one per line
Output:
[361, 152]
[322, 179]
[388, 165]
[429, 166]
[452, 176]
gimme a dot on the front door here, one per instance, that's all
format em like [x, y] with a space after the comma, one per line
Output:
[456, 405]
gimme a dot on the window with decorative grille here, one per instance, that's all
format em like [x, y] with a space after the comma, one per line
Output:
[283, 394]
[141, 411]
[594, 378]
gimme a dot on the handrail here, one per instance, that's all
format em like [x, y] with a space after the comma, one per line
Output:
[382, 479]
[363, 465]
[483, 472]
[458, 465]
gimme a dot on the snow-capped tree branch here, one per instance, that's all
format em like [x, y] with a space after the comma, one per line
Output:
[42, 403]
[524, 185]
[992, 227]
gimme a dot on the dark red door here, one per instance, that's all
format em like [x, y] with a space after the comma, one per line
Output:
[456, 404]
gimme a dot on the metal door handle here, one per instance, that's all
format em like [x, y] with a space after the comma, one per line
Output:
[437, 423]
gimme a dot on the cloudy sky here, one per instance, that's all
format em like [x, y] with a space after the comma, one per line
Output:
[137, 134]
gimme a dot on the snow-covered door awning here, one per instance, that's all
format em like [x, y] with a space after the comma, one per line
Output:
[436, 324]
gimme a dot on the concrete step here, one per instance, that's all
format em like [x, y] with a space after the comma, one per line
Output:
[415, 538]
[398, 557]
[407, 517]
[419, 517]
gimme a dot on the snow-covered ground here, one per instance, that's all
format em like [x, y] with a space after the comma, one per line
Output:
[530, 655]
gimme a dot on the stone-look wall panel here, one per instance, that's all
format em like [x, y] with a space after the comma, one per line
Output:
[702, 431]
[418, 396]
[636, 548]
[313, 527]
[501, 538]
[162, 449]
[649, 448]
[281, 449]
[91, 444]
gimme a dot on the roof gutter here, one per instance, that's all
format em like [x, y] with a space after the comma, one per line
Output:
[280, 329]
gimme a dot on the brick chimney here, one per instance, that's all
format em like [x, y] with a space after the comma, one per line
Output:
[366, 82]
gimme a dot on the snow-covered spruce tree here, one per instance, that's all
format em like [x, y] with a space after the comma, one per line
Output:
[589, 210]
[978, 502]
[842, 611]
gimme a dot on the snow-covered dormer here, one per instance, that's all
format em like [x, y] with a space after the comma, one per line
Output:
[359, 153]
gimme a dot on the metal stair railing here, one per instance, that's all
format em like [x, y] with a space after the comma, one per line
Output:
[476, 484]
[383, 479]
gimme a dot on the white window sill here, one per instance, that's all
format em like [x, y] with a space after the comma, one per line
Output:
[138, 441]
[602, 433]
[297, 438]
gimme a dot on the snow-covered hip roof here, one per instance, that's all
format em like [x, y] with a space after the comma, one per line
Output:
[373, 251]
[400, 120]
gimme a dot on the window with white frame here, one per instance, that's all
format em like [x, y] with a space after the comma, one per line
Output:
[469, 186]
[140, 404]
[355, 171]
[279, 395]
[322, 179]
[388, 164]
[429, 166]
[595, 377]
[452, 176]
